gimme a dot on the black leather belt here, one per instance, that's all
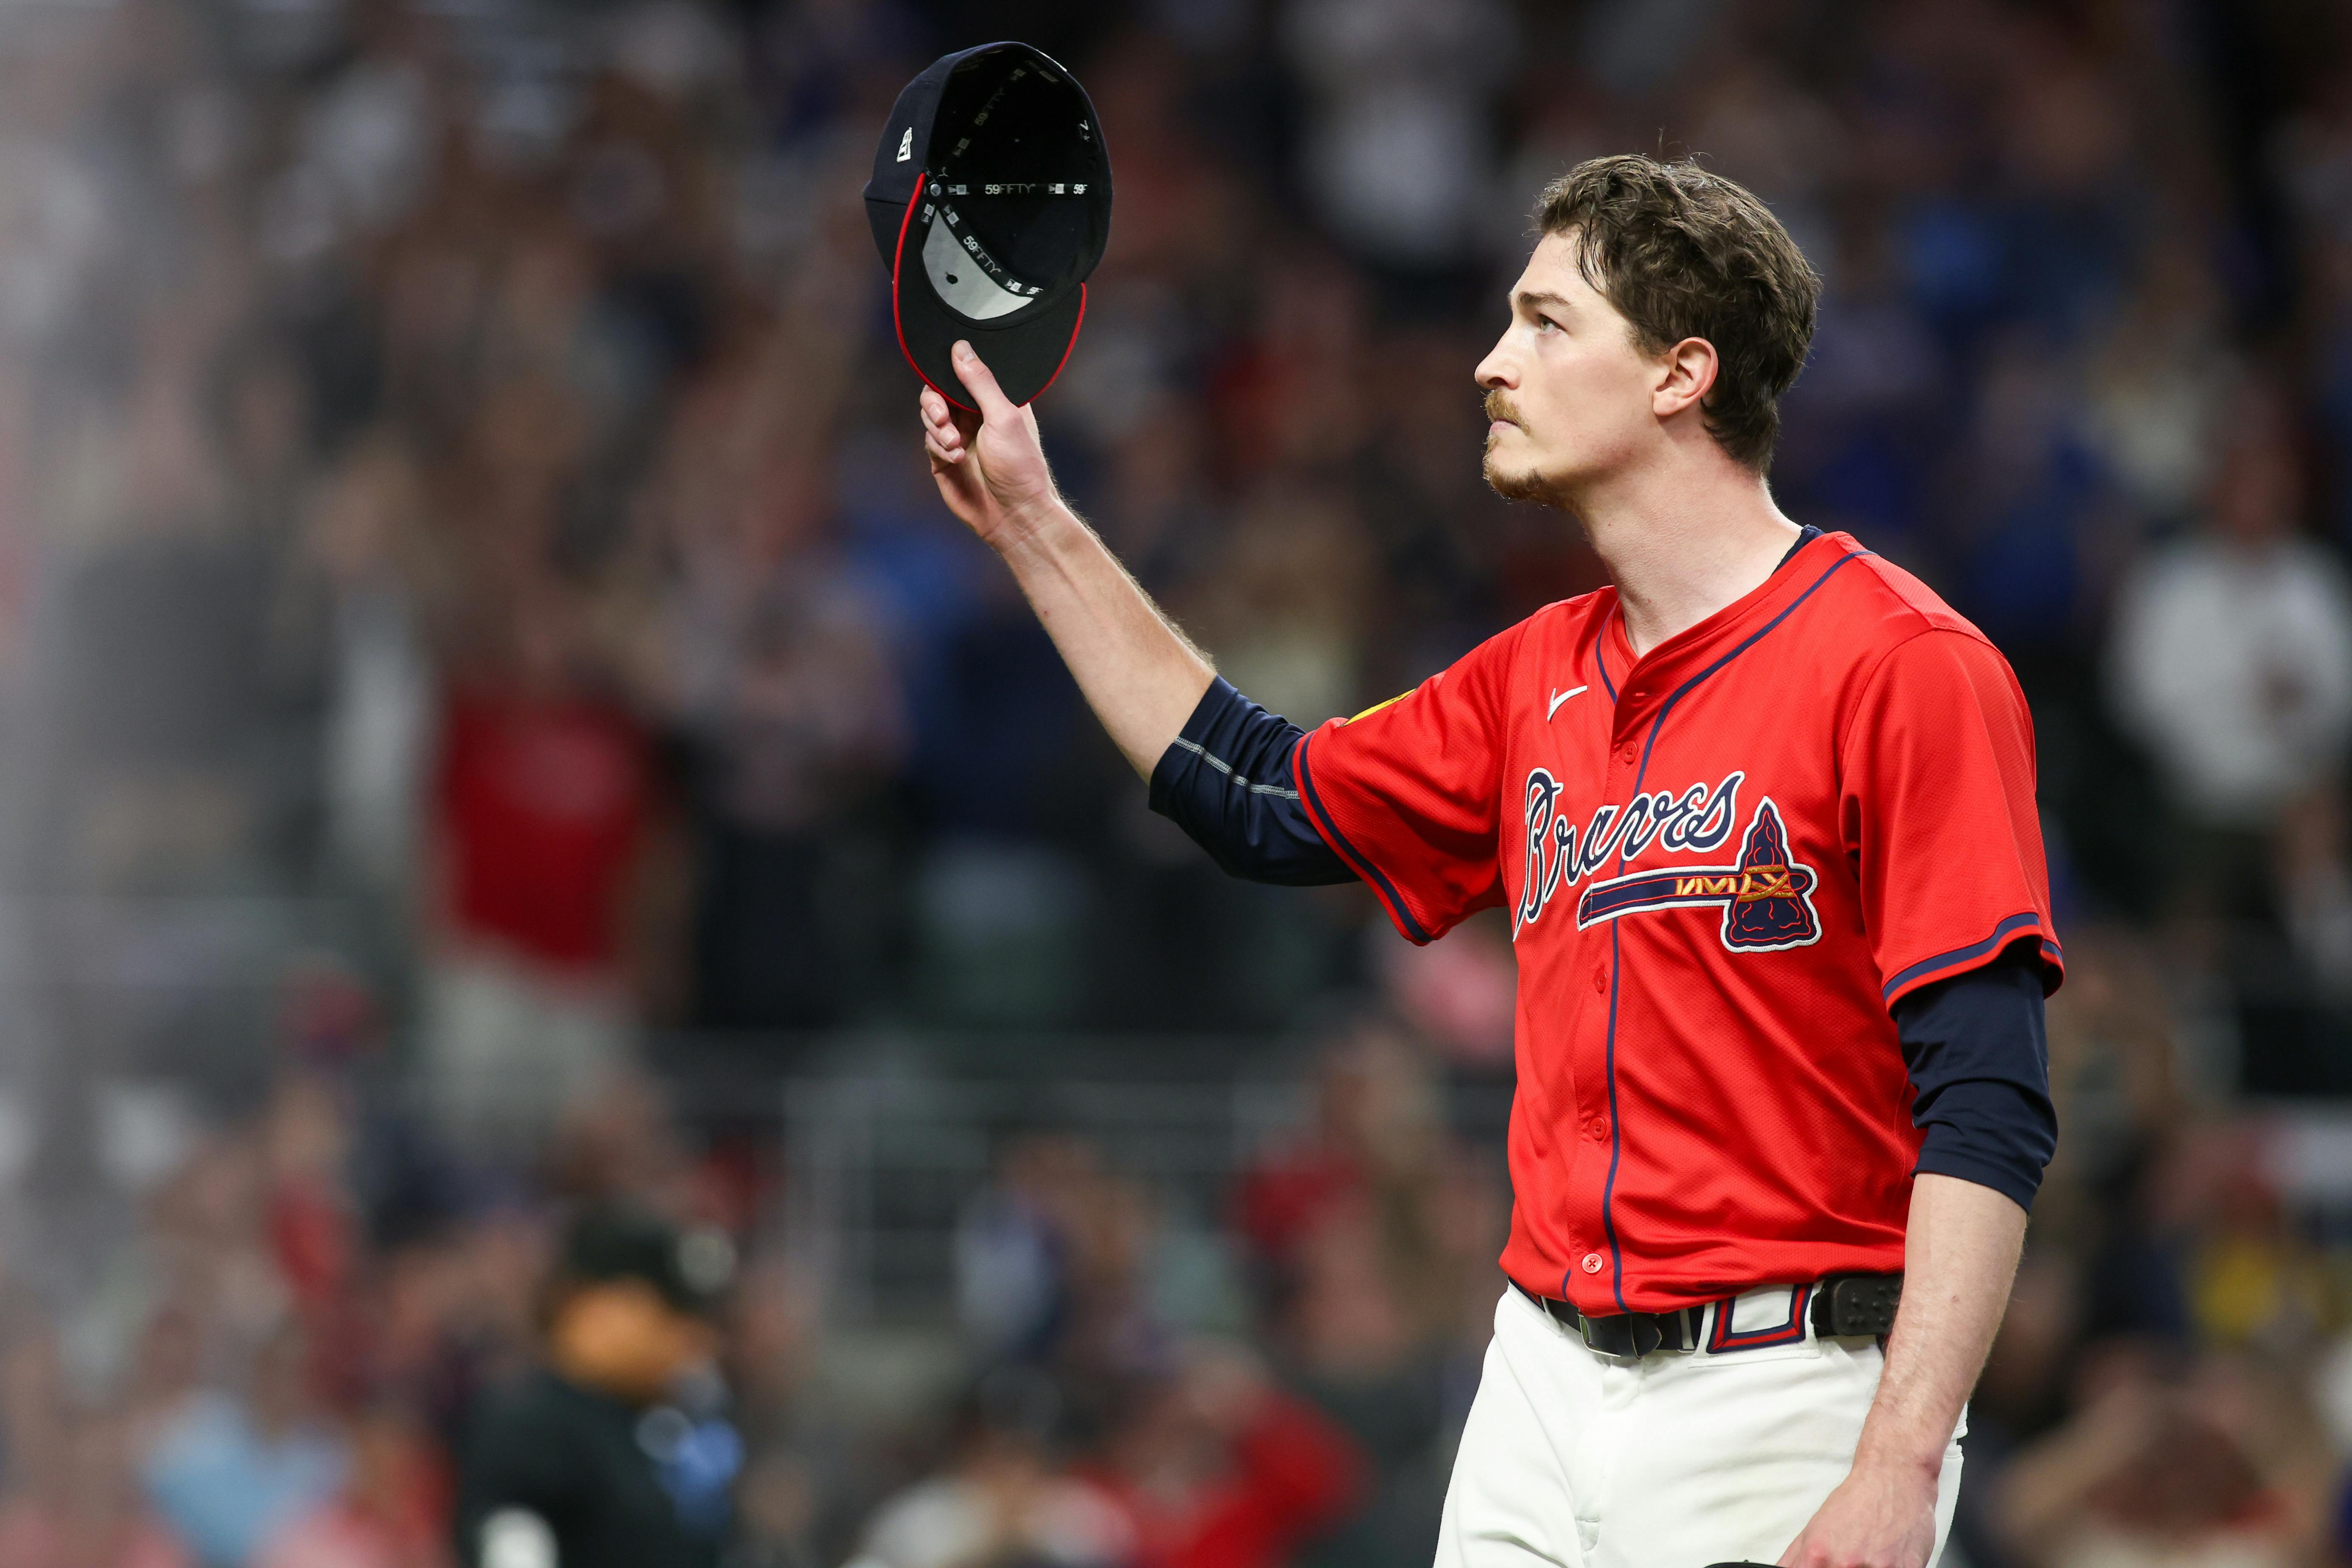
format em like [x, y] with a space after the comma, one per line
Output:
[1629, 1336]
[1844, 1306]
[1850, 1305]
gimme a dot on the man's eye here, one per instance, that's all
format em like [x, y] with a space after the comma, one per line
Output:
[1545, 324]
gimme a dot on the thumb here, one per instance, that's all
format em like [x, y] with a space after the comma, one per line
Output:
[981, 382]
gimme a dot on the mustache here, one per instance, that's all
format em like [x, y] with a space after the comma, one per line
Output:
[1499, 407]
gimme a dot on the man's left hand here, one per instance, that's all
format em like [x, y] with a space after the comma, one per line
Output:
[1876, 1519]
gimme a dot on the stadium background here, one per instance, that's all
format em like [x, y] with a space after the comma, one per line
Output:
[492, 715]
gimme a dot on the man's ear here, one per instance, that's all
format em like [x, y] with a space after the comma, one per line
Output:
[1686, 376]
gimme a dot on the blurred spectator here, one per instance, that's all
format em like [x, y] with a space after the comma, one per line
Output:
[778, 1507]
[1366, 1338]
[2232, 652]
[1215, 1468]
[389, 1515]
[2162, 1472]
[228, 1472]
[1460, 994]
[1374, 1141]
[310, 1218]
[1399, 141]
[1865, 420]
[798, 1462]
[1372, 1239]
[2251, 1280]
[610, 1453]
[2031, 501]
[1002, 1503]
[1012, 1246]
[1283, 606]
[366, 538]
[2311, 864]
[546, 802]
[1055, 1264]
[2163, 385]
[781, 679]
[80, 1506]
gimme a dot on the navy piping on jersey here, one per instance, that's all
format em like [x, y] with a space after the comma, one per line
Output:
[1616, 1142]
[1355, 857]
[1616, 967]
[1601, 660]
[2000, 935]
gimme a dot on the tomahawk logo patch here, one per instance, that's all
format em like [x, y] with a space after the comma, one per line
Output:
[1766, 898]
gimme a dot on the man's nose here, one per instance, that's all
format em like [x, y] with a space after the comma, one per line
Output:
[1495, 370]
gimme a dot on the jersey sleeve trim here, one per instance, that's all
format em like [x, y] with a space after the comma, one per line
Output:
[1944, 966]
[1391, 900]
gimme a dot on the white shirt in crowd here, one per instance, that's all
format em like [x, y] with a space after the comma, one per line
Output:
[953, 1522]
[2233, 664]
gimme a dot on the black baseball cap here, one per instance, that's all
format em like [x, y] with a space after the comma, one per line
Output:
[692, 1269]
[991, 205]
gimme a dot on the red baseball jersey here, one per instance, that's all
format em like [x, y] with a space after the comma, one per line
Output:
[1725, 861]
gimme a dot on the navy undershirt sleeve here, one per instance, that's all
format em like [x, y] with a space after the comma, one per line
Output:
[1979, 1064]
[1226, 782]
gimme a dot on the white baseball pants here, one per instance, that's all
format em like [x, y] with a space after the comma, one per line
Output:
[1682, 1459]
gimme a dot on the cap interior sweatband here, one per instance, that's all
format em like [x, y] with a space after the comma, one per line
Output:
[961, 273]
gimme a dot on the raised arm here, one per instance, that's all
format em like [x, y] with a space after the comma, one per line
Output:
[1141, 676]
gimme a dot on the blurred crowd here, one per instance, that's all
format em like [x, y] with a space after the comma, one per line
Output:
[457, 483]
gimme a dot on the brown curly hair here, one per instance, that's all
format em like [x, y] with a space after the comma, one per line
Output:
[1684, 253]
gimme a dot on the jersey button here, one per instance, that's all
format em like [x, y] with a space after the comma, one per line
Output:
[1597, 1129]
[1628, 754]
[1600, 978]
[1592, 1263]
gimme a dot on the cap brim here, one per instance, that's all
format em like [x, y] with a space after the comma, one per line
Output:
[1024, 355]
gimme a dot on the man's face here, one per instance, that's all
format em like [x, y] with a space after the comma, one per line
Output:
[1568, 394]
[622, 1337]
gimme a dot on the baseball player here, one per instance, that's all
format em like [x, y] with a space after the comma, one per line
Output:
[1762, 813]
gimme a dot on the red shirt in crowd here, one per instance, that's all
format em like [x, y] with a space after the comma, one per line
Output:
[1284, 1199]
[544, 806]
[1293, 1476]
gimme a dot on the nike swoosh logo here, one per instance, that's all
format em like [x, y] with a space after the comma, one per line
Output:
[1559, 697]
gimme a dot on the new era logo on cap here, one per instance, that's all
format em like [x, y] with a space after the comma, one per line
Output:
[990, 205]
